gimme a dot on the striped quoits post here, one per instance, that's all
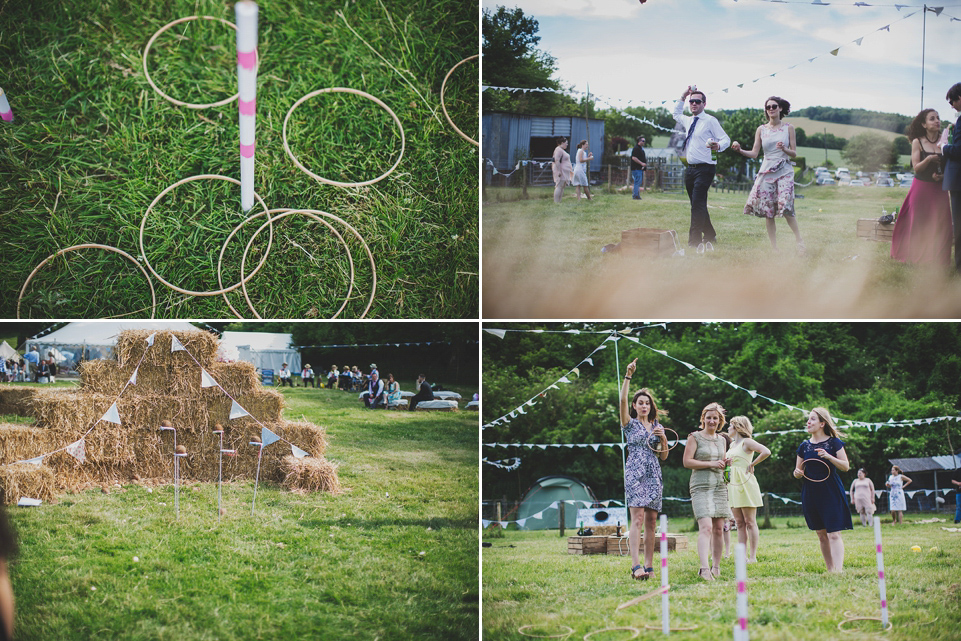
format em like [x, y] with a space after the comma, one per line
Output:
[665, 606]
[246, 15]
[881, 588]
[740, 571]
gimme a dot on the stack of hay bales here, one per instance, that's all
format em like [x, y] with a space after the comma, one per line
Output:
[168, 388]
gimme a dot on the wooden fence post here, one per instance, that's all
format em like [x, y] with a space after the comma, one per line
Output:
[560, 518]
[767, 511]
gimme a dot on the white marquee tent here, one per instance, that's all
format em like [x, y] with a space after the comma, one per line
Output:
[264, 349]
[88, 340]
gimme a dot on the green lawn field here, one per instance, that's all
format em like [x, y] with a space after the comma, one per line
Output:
[543, 260]
[92, 145]
[531, 580]
[392, 557]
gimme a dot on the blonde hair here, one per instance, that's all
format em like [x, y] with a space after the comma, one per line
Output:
[714, 407]
[829, 427]
[742, 425]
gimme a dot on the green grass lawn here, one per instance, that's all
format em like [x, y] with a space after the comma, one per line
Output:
[393, 557]
[544, 260]
[530, 579]
[92, 145]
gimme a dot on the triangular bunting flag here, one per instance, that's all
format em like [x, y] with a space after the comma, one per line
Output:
[236, 411]
[595, 446]
[563, 379]
[835, 51]
[150, 339]
[858, 41]
[267, 437]
[752, 392]
[175, 345]
[36, 461]
[77, 450]
[576, 371]
[112, 415]
[937, 10]
[133, 377]
[206, 380]
[521, 522]
[499, 333]
[296, 451]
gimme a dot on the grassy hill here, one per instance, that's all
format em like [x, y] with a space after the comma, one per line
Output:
[812, 127]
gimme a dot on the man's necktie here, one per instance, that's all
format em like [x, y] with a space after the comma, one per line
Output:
[690, 132]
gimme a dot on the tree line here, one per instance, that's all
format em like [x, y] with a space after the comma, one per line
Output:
[859, 371]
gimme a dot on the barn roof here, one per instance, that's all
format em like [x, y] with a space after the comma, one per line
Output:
[927, 463]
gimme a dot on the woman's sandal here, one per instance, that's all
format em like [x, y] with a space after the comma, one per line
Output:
[705, 573]
[649, 573]
[716, 572]
[634, 573]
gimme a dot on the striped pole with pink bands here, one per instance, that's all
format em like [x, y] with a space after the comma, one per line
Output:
[665, 606]
[740, 572]
[884, 598]
[246, 13]
[5, 111]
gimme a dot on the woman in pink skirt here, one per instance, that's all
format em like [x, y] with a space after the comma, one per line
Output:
[923, 232]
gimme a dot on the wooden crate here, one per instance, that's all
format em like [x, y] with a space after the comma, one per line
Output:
[587, 545]
[644, 240]
[871, 229]
[619, 546]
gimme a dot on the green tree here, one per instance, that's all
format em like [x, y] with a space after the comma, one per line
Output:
[740, 125]
[511, 59]
[869, 152]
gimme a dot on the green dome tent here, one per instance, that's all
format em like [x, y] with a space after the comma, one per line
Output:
[545, 492]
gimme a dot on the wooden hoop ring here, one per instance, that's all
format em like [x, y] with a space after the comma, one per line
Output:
[849, 619]
[189, 105]
[153, 293]
[677, 440]
[636, 632]
[273, 219]
[443, 86]
[550, 636]
[824, 463]
[658, 627]
[216, 292]
[328, 181]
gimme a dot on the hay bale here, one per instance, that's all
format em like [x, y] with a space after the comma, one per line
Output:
[22, 442]
[131, 345]
[26, 479]
[236, 378]
[16, 400]
[310, 475]
[102, 376]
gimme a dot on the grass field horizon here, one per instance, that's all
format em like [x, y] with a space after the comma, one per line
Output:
[530, 579]
[542, 260]
[392, 557]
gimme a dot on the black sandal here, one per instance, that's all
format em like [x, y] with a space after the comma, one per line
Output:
[650, 572]
[635, 569]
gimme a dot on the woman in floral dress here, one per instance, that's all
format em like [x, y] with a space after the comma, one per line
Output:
[896, 484]
[646, 444]
[773, 193]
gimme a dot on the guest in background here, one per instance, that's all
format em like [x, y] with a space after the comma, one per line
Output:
[956, 482]
[638, 165]
[374, 396]
[896, 483]
[862, 497]
[307, 376]
[424, 392]
[704, 454]
[346, 380]
[580, 178]
[822, 500]
[284, 376]
[744, 494]
[332, 377]
[561, 168]
[392, 390]
[950, 144]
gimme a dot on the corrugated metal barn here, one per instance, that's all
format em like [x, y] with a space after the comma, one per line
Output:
[507, 137]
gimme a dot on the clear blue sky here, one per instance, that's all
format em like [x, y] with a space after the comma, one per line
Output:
[627, 51]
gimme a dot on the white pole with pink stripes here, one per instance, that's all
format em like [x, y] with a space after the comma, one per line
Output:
[246, 12]
[665, 607]
[740, 572]
[884, 598]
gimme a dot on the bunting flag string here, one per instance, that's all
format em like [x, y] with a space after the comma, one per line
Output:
[500, 333]
[404, 344]
[508, 465]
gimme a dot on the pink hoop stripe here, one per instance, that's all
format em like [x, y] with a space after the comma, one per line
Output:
[743, 622]
[741, 587]
[248, 108]
[247, 60]
[247, 151]
[879, 548]
[881, 574]
[884, 603]
[664, 562]
[7, 115]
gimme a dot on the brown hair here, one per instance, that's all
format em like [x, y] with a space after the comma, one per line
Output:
[916, 128]
[782, 103]
[581, 144]
[895, 467]
[829, 427]
[654, 413]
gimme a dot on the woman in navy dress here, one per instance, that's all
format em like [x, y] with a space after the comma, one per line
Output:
[642, 478]
[823, 501]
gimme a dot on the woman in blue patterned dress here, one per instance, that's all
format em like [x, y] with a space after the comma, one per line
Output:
[642, 478]
[823, 500]
[896, 503]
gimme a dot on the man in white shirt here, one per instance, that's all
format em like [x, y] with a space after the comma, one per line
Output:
[704, 135]
[284, 376]
[374, 396]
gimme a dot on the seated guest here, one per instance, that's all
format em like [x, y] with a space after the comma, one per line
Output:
[43, 372]
[307, 376]
[346, 380]
[424, 392]
[332, 377]
[373, 368]
[284, 376]
[357, 379]
[374, 396]
[392, 390]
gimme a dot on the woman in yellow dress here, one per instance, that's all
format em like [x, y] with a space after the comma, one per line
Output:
[744, 495]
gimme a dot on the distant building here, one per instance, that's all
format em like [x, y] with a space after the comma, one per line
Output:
[509, 137]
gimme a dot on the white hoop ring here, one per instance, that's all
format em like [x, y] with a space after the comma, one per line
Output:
[222, 290]
[327, 181]
[189, 105]
[822, 462]
[563, 635]
[273, 219]
[636, 632]
[849, 619]
[443, 86]
[153, 294]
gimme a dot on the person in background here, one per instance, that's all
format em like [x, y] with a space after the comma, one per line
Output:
[956, 482]
[638, 165]
[33, 359]
[646, 449]
[744, 494]
[950, 144]
[374, 396]
[823, 501]
[284, 376]
[897, 504]
[580, 178]
[391, 391]
[52, 367]
[705, 456]
[8, 549]
[346, 380]
[356, 378]
[862, 497]
[561, 168]
[307, 376]
[332, 377]
[373, 368]
[424, 392]
[43, 372]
